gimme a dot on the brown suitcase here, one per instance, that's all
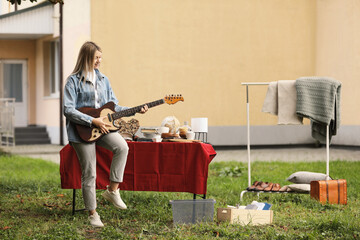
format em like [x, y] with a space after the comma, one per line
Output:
[331, 191]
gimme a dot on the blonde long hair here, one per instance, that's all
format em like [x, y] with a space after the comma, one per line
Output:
[86, 56]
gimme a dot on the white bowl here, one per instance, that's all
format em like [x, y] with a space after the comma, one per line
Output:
[156, 139]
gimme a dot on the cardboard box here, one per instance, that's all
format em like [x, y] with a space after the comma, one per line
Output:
[245, 216]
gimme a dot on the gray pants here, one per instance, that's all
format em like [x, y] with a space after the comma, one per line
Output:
[86, 153]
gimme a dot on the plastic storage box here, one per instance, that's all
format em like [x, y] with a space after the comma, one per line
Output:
[192, 211]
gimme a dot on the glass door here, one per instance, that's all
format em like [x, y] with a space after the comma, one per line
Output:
[13, 84]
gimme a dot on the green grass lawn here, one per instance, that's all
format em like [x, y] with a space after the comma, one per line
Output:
[32, 206]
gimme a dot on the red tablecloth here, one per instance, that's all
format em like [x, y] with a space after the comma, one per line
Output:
[163, 167]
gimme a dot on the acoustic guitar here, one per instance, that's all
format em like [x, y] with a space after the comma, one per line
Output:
[91, 134]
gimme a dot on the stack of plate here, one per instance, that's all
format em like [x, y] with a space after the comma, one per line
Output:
[149, 133]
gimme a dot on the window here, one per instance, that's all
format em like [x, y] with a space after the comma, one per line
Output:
[51, 68]
[12, 83]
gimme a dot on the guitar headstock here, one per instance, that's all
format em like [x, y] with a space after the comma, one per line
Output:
[172, 99]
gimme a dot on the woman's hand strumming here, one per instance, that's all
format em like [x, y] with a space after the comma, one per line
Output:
[100, 124]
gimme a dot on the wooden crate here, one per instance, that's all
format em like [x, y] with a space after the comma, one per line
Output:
[245, 216]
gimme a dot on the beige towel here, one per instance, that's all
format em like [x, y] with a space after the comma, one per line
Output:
[280, 100]
[271, 100]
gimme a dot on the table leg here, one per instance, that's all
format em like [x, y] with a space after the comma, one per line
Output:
[203, 196]
[74, 204]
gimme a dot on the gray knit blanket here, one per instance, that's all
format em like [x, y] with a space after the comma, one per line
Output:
[318, 98]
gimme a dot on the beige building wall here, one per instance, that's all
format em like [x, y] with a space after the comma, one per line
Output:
[338, 51]
[338, 56]
[203, 49]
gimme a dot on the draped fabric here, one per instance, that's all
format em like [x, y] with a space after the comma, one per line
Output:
[163, 167]
[318, 98]
[280, 100]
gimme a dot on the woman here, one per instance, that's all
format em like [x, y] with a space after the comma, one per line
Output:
[88, 87]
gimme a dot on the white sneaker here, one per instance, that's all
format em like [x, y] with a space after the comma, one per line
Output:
[95, 220]
[114, 198]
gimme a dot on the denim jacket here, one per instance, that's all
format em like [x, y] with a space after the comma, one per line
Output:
[80, 92]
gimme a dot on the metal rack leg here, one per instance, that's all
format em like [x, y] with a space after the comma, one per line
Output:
[246, 191]
[327, 151]
[248, 134]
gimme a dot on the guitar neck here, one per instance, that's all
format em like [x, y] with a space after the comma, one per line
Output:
[133, 110]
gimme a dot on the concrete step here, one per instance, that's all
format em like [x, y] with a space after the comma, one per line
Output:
[31, 135]
[30, 141]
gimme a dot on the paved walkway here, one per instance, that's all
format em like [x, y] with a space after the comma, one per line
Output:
[51, 153]
[288, 154]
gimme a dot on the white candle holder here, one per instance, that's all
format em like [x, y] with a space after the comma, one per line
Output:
[200, 128]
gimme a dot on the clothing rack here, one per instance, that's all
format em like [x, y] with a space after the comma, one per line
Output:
[247, 84]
